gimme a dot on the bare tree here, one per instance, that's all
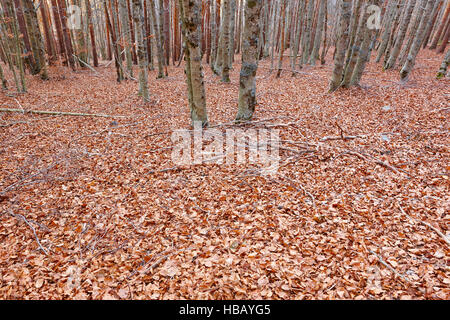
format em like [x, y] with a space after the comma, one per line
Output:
[190, 12]
[247, 85]
[341, 46]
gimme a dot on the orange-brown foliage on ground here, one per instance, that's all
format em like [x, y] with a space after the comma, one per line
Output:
[342, 220]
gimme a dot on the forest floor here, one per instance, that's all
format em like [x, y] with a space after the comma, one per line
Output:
[88, 210]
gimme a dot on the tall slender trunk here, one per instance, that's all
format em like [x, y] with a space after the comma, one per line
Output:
[232, 31]
[412, 32]
[443, 69]
[191, 21]
[138, 17]
[58, 26]
[21, 86]
[126, 35]
[247, 85]
[341, 45]
[79, 39]
[401, 35]
[417, 43]
[213, 34]
[166, 29]
[159, 49]
[365, 50]
[66, 33]
[444, 43]
[442, 25]
[318, 34]
[226, 41]
[130, 18]
[37, 44]
[117, 59]
[307, 34]
[391, 12]
[432, 21]
[283, 4]
[91, 32]
[29, 58]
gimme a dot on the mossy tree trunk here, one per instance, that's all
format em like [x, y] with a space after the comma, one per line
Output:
[443, 69]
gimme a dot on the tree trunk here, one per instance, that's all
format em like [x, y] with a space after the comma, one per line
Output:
[417, 43]
[247, 86]
[442, 47]
[3, 79]
[443, 70]
[341, 45]
[412, 32]
[442, 25]
[391, 11]
[37, 44]
[66, 33]
[365, 50]
[159, 49]
[226, 41]
[138, 18]
[213, 34]
[432, 21]
[79, 38]
[318, 33]
[59, 33]
[307, 33]
[126, 35]
[401, 35]
[91, 33]
[298, 34]
[232, 31]
[283, 4]
[117, 60]
[191, 22]
[29, 58]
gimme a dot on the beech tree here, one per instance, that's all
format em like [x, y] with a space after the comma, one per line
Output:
[401, 35]
[190, 13]
[135, 35]
[247, 85]
[443, 69]
[138, 16]
[427, 6]
[341, 45]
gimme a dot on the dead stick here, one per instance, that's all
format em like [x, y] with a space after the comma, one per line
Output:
[443, 236]
[389, 267]
[60, 113]
[32, 228]
[328, 138]
[85, 64]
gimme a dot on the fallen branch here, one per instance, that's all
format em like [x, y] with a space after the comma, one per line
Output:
[60, 113]
[370, 159]
[384, 263]
[443, 236]
[331, 138]
[32, 228]
[85, 64]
